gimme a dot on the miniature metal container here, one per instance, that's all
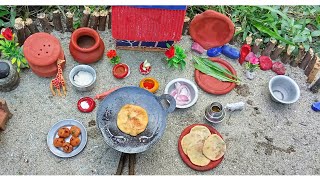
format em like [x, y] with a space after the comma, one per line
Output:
[214, 113]
[87, 68]
[283, 89]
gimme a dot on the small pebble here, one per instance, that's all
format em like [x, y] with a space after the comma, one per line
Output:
[197, 48]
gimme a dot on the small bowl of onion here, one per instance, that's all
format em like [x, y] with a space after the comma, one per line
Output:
[83, 77]
[184, 91]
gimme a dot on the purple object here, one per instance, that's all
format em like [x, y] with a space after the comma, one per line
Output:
[316, 106]
[230, 52]
[213, 52]
[197, 48]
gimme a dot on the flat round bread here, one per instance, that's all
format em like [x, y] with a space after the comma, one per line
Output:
[214, 147]
[203, 131]
[188, 140]
[195, 155]
[132, 119]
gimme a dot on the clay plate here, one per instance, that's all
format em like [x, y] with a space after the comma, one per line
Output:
[186, 159]
[121, 71]
[212, 85]
[90, 101]
[53, 133]
[211, 29]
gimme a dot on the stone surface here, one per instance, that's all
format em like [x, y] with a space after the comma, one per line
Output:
[4, 70]
[278, 68]
[197, 48]
[230, 52]
[294, 128]
[213, 52]
[265, 63]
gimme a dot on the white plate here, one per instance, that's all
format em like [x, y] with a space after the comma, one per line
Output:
[53, 133]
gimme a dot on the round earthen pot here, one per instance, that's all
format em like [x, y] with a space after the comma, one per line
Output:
[86, 46]
[10, 80]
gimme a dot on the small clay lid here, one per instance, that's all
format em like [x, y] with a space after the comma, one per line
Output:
[186, 159]
[121, 71]
[41, 49]
[212, 85]
[211, 29]
[4, 70]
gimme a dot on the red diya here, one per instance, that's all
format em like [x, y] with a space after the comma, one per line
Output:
[86, 104]
[121, 71]
[144, 70]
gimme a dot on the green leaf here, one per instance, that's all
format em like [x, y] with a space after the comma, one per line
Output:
[315, 33]
[13, 60]
[18, 64]
[24, 60]
[299, 38]
[4, 12]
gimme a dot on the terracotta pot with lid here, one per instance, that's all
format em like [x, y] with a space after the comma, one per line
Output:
[86, 46]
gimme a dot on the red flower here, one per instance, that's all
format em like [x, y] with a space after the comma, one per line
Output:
[111, 54]
[170, 52]
[7, 33]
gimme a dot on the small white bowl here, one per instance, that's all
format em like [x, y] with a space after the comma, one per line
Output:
[75, 71]
[283, 89]
[193, 90]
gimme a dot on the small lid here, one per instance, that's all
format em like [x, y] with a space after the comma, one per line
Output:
[41, 49]
[86, 104]
[142, 71]
[4, 70]
[120, 70]
[212, 85]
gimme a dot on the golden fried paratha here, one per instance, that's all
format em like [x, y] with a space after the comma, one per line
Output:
[203, 131]
[132, 119]
[214, 147]
[196, 156]
[188, 140]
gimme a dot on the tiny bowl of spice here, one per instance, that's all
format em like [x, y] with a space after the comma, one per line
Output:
[184, 91]
[83, 77]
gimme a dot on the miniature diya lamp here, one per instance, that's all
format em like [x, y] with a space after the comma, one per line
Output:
[214, 113]
[83, 77]
[86, 104]
[145, 67]
[9, 77]
[149, 84]
[121, 71]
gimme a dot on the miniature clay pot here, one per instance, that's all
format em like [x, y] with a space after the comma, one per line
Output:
[86, 46]
[121, 71]
[10, 79]
[42, 51]
[90, 102]
[149, 84]
[211, 29]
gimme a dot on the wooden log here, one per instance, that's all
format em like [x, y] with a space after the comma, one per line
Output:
[311, 65]
[57, 20]
[102, 20]
[296, 61]
[109, 18]
[44, 22]
[31, 26]
[249, 40]
[26, 30]
[314, 72]
[185, 29]
[316, 86]
[286, 57]
[306, 59]
[121, 163]
[132, 161]
[235, 37]
[256, 46]
[19, 27]
[277, 51]
[85, 17]
[269, 48]
[94, 20]
[69, 22]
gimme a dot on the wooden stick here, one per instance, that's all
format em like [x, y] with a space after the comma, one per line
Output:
[249, 40]
[267, 50]
[256, 46]
[314, 72]
[278, 50]
[57, 20]
[31, 26]
[110, 18]
[19, 27]
[132, 159]
[286, 58]
[311, 64]
[85, 17]
[102, 20]
[94, 20]
[69, 22]
[316, 86]
[26, 30]
[234, 38]
[121, 164]
[44, 22]
[306, 59]
[185, 29]
[297, 60]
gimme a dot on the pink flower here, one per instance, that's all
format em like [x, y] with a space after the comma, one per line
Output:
[254, 60]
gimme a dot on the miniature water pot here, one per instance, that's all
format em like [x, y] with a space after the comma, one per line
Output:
[283, 89]
[214, 113]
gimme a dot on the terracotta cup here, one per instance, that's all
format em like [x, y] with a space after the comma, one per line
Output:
[86, 46]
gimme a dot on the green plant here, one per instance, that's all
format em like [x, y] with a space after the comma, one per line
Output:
[11, 50]
[4, 20]
[175, 56]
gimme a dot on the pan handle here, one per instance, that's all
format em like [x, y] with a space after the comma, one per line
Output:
[171, 101]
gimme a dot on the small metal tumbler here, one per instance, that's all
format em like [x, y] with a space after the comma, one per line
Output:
[214, 113]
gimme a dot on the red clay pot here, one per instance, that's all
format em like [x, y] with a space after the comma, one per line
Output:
[86, 46]
[42, 51]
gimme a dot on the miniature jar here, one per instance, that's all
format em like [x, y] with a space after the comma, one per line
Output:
[86, 46]
[9, 77]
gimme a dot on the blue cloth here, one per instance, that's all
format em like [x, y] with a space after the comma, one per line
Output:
[164, 7]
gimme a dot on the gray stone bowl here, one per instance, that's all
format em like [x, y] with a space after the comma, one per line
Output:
[283, 89]
[83, 67]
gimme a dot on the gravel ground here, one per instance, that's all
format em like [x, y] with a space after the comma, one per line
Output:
[265, 138]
